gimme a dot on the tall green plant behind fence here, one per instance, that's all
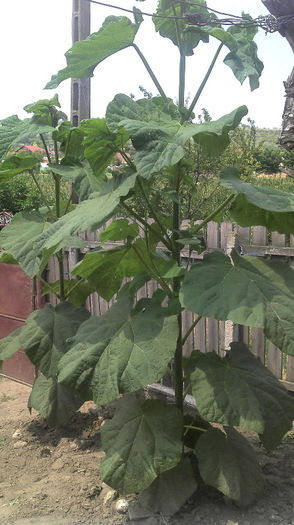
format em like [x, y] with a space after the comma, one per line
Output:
[130, 346]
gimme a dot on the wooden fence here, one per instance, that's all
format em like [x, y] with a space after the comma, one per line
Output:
[211, 334]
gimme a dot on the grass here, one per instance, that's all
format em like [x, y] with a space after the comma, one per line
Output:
[5, 398]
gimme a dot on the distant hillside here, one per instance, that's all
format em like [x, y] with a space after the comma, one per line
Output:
[267, 137]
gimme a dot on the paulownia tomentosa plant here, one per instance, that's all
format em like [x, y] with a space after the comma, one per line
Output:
[83, 357]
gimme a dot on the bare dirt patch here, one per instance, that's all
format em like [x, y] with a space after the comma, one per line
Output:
[51, 477]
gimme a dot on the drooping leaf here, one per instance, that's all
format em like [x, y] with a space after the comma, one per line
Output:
[244, 62]
[45, 333]
[116, 33]
[13, 131]
[10, 344]
[84, 180]
[259, 205]
[170, 490]
[91, 213]
[46, 112]
[16, 164]
[76, 291]
[101, 144]
[141, 442]
[119, 230]
[105, 269]
[227, 462]
[238, 390]
[167, 27]
[158, 135]
[10, 129]
[121, 351]
[18, 237]
[247, 290]
[53, 401]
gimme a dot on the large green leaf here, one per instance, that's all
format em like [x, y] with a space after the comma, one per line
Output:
[10, 129]
[238, 390]
[247, 290]
[227, 462]
[141, 442]
[18, 238]
[259, 205]
[116, 34]
[101, 144]
[14, 131]
[167, 27]
[244, 62]
[158, 135]
[82, 176]
[91, 213]
[119, 230]
[45, 333]
[170, 490]
[53, 401]
[10, 344]
[16, 164]
[105, 269]
[121, 351]
[76, 291]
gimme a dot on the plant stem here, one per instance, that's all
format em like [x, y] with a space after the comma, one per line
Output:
[42, 194]
[191, 329]
[142, 221]
[45, 147]
[68, 202]
[59, 256]
[203, 83]
[188, 427]
[186, 390]
[214, 213]
[152, 272]
[182, 81]
[151, 209]
[152, 75]
[178, 366]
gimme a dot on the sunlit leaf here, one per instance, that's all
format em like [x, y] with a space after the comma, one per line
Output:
[247, 290]
[238, 390]
[116, 34]
[141, 442]
[121, 351]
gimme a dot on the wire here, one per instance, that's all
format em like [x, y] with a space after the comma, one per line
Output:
[268, 23]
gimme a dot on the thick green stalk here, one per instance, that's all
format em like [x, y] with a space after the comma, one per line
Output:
[45, 147]
[152, 75]
[203, 83]
[214, 213]
[178, 366]
[182, 81]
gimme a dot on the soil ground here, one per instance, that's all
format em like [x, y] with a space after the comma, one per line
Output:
[51, 477]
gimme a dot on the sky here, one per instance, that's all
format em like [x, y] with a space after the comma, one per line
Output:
[34, 35]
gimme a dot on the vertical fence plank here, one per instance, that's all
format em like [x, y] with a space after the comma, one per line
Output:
[259, 238]
[212, 324]
[186, 323]
[200, 335]
[274, 355]
[226, 333]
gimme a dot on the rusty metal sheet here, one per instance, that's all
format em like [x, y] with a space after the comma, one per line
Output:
[15, 292]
